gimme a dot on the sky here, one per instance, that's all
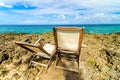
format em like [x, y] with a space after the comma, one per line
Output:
[59, 11]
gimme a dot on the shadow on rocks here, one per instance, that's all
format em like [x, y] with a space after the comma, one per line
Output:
[3, 57]
[73, 75]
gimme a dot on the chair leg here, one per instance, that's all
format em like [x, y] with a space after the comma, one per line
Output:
[33, 56]
[58, 57]
[49, 63]
[78, 63]
[56, 62]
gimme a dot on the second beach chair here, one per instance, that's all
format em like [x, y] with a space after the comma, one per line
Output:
[68, 41]
[47, 51]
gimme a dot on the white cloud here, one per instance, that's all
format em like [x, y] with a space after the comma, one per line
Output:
[77, 16]
[67, 6]
[99, 15]
[5, 5]
[66, 11]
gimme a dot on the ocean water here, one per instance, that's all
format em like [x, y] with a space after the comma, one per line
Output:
[97, 29]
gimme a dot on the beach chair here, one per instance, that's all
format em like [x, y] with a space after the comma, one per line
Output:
[68, 41]
[46, 51]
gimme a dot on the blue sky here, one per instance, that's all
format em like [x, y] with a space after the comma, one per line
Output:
[59, 11]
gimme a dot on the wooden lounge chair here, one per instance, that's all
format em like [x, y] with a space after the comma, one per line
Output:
[47, 51]
[68, 41]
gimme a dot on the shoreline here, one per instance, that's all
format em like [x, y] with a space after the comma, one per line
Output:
[99, 60]
[52, 32]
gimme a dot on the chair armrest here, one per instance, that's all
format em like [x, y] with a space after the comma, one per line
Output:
[39, 41]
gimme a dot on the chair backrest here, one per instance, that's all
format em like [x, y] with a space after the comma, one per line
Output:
[32, 47]
[68, 38]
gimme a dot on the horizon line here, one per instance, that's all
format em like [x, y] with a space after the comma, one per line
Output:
[60, 24]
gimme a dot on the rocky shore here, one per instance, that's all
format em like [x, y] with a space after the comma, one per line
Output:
[100, 59]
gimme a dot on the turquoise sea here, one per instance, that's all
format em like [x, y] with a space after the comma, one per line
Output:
[97, 29]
